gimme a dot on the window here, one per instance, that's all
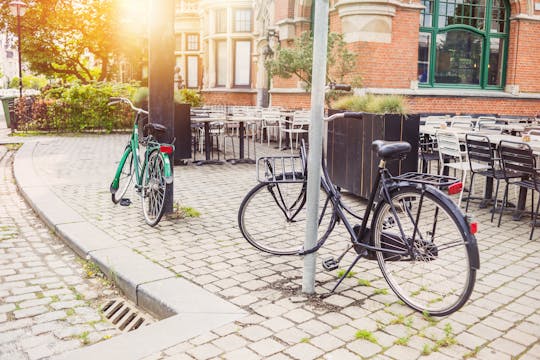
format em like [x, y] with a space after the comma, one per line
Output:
[192, 71]
[242, 63]
[221, 21]
[192, 42]
[221, 63]
[242, 20]
[463, 43]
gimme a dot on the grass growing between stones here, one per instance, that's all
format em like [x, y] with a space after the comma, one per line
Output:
[363, 334]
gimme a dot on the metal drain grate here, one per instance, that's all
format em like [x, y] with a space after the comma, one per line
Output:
[123, 315]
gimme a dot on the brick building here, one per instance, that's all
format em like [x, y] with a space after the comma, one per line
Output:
[447, 56]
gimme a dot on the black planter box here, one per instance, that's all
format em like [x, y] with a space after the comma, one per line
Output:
[351, 163]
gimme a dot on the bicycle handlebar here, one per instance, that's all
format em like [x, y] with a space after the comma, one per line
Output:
[117, 100]
[344, 87]
[354, 115]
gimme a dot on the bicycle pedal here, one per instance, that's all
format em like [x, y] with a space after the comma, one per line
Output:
[330, 264]
[125, 202]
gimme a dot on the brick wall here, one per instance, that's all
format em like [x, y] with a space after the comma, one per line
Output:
[291, 101]
[391, 65]
[473, 105]
[524, 55]
[284, 9]
[229, 98]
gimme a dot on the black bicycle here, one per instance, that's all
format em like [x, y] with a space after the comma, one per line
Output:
[424, 245]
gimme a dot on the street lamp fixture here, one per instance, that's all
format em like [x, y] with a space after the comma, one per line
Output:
[18, 8]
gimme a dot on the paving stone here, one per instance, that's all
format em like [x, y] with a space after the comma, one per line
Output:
[326, 342]
[255, 332]
[304, 351]
[266, 347]
[241, 354]
[205, 351]
[230, 342]
[32, 311]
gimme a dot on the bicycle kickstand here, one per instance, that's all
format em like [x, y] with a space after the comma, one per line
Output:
[346, 272]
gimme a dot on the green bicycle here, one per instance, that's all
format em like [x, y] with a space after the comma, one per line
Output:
[153, 177]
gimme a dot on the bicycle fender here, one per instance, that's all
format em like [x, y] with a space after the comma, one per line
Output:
[114, 184]
[168, 172]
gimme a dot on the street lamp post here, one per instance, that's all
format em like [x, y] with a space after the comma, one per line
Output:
[18, 8]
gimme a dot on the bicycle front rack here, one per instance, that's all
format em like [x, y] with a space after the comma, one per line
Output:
[281, 169]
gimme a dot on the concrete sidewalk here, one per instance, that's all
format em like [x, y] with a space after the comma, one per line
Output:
[232, 301]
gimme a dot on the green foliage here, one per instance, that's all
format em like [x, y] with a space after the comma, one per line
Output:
[76, 108]
[182, 96]
[378, 104]
[297, 60]
[29, 82]
[74, 39]
[188, 96]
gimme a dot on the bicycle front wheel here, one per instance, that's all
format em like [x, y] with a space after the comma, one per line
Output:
[124, 178]
[154, 188]
[272, 216]
[439, 278]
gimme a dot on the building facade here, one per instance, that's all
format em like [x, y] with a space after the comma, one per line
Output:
[445, 56]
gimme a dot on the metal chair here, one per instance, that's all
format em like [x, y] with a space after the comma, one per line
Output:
[296, 126]
[482, 161]
[519, 167]
[271, 120]
[450, 149]
[427, 148]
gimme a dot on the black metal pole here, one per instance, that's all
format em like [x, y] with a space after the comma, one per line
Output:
[19, 50]
[161, 63]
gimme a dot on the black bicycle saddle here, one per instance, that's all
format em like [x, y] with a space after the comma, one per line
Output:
[388, 150]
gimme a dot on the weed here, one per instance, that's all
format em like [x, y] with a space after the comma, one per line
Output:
[79, 296]
[91, 269]
[55, 298]
[84, 338]
[364, 282]
[472, 353]
[13, 147]
[304, 340]
[402, 341]
[70, 312]
[426, 350]
[341, 272]
[40, 295]
[366, 335]
[381, 291]
[428, 318]
[182, 212]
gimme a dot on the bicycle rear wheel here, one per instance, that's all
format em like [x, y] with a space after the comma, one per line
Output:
[154, 188]
[440, 277]
[272, 217]
[125, 177]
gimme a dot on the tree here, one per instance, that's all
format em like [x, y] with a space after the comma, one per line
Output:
[68, 39]
[297, 61]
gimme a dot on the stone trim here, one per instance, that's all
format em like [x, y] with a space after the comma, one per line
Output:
[448, 93]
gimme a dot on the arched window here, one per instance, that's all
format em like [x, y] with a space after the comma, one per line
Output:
[463, 43]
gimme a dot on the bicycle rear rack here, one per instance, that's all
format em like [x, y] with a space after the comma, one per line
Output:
[284, 169]
[427, 179]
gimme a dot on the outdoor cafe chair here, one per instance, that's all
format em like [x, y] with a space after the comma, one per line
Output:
[427, 148]
[519, 167]
[452, 156]
[271, 122]
[295, 127]
[482, 161]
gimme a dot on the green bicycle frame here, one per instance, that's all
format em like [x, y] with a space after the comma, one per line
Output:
[133, 148]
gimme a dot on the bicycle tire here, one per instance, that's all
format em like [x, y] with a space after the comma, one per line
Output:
[154, 188]
[441, 278]
[272, 216]
[125, 178]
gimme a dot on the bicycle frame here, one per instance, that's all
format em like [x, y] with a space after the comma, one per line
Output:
[151, 145]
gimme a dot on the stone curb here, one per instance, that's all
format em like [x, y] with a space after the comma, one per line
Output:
[190, 309]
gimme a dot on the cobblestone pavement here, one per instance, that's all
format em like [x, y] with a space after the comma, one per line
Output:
[501, 321]
[48, 305]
